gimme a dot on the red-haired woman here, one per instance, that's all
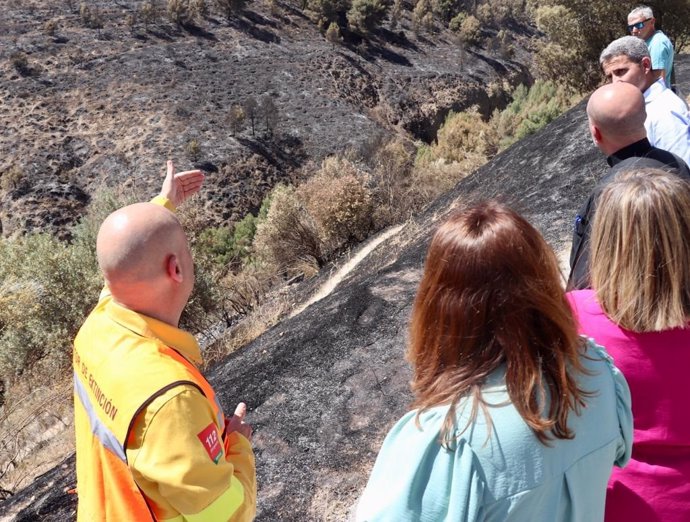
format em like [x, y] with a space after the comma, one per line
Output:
[515, 416]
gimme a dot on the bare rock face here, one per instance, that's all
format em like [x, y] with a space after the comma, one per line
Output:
[106, 108]
[324, 386]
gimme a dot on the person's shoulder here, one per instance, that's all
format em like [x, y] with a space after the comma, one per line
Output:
[577, 297]
[658, 40]
[676, 104]
[177, 400]
[660, 36]
[661, 158]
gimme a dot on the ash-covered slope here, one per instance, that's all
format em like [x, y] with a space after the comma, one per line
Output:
[324, 386]
[83, 109]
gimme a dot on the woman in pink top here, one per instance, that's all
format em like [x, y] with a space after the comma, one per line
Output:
[639, 310]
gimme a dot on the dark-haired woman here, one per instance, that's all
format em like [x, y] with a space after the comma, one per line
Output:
[639, 310]
[515, 416]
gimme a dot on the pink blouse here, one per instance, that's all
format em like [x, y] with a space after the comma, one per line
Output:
[655, 485]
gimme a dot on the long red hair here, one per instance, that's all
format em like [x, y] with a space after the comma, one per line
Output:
[491, 293]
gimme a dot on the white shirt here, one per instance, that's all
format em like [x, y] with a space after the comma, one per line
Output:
[668, 121]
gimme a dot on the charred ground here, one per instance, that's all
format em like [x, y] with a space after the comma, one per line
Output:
[83, 109]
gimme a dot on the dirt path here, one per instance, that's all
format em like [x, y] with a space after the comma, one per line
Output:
[335, 280]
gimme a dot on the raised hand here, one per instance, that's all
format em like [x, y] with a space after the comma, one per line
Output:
[178, 187]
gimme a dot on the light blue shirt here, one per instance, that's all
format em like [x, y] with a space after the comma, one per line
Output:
[668, 121]
[661, 52]
[505, 473]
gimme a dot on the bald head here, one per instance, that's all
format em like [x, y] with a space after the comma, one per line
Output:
[617, 112]
[144, 256]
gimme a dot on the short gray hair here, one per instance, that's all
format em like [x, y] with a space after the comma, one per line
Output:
[643, 10]
[631, 46]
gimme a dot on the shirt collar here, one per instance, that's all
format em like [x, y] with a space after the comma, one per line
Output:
[635, 150]
[181, 341]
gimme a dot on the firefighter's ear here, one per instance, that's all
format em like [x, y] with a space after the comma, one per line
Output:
[173, 269]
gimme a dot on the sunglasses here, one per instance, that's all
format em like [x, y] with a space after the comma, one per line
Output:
[638, 25]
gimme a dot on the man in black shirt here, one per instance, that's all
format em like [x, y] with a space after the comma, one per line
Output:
[616, 121]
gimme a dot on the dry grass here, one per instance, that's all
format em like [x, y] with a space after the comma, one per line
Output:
[36, 431]
[249, 327]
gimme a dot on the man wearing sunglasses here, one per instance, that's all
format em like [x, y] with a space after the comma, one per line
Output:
[641, 23]
[668, 121]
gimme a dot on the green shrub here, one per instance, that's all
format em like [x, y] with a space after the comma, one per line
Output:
[577, 31]
[333, 34]
[46, 288]
[222, 247]
[50, 27]
[340, 203]
[445, 9]
[497, 13]
[265, 205]
[456, 22]
[12, 178]
[287, 240]
[530, 110]
[243, 237]
[470, 31]
[193, 150]
[215, 244]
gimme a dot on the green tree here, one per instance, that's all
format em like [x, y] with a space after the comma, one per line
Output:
[365, 15]
[470, 31]
[445, 9]
[329, 10]
[422, 16]
[456, 22]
